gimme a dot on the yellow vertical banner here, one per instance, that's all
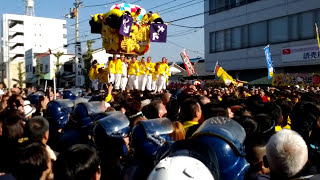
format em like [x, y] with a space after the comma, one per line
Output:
[317, 32]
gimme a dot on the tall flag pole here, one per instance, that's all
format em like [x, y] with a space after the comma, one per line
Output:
[317, 31]
[269, 62]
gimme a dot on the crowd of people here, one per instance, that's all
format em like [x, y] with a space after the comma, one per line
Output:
[187, 133]
[129, 73]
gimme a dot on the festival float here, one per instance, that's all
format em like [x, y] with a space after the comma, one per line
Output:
[128, 29]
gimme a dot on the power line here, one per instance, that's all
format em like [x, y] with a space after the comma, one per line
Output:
[162, 4]
[95, 5]
[197, 52]
[195, 27]
[183, 7]
[172, 7]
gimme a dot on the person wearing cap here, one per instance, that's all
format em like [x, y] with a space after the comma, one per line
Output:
[124, 75]
[150, 70]
[142, 78]
[112, 69]
[28, 109]
[133, 71]
[118, 73]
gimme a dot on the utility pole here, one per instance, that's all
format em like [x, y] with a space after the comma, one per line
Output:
[76, 14]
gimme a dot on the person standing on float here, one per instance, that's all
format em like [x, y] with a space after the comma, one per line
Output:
[150, 70]
[133, 71]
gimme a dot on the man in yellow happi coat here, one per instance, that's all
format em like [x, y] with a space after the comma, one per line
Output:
[118, 72]
[150, 70]
[112, 69]
[133, 71]
[161, 81]
[93, 74]
[103, 76]
[142, 77]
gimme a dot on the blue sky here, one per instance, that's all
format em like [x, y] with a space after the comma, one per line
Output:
[178, 37]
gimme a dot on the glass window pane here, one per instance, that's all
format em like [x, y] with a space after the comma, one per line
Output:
[318, 17]
[306, 25]
[258, 34]
[294, 28]
[236, 38]
[278, 30]
[220, 4]
[244, 36]
[227, 39]
[212, 5]
[220, 41]
[212, 42]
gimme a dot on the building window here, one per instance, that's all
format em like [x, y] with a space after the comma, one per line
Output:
[227, 39]
[306, 25]
[219, 41]
[236, 38]
[212, 42]
[244, 36]
[293, 28]
[222, 5]
[46, 69]
[258, 34]
[278, 30]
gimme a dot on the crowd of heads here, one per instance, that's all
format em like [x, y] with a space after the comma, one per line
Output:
[277, 134]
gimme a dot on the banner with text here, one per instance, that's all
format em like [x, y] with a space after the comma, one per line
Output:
[300, 53]
[79, 66]
[269, 62]
[126, 25]
[158, 32]
[187, 63]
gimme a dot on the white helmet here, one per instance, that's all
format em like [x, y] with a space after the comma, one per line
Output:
[182, 168]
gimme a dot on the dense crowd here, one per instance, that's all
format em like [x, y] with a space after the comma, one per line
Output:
[186, 133]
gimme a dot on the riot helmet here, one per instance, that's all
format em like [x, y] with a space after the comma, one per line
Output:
[149, 135]
[85, 112]
[109, 133]
[58, 112]
[225, 138]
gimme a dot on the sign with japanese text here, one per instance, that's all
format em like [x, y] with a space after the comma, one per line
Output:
[269, 62]
[79, 66]
[158, 32]
[301, 53]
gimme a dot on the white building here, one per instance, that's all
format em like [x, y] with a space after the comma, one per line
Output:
[236, 31]
[21, 33]
[101, 56]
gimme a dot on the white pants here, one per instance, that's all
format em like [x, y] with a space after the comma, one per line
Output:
[111, 78]
[95, 84]
[149, 83]
[154, 86]
[161, 81]
[142, 82]
[117, 81]
[133, 82]
[124, 81]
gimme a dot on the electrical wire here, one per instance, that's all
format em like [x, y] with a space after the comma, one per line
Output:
[162, 4]
[183, 7]
[96, 5]
[197, 52]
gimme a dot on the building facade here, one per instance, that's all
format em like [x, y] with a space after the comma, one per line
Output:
[236, 31]
[34, 35]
